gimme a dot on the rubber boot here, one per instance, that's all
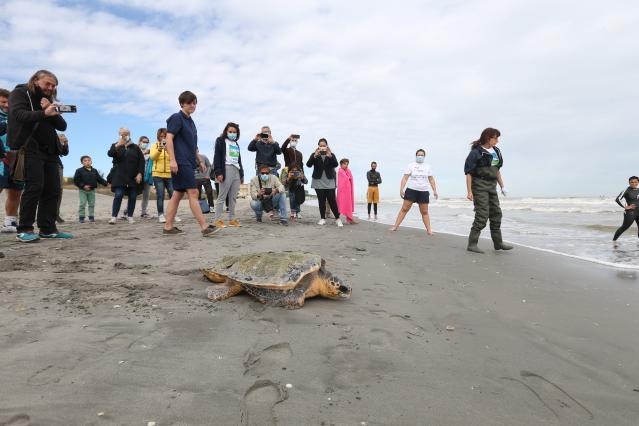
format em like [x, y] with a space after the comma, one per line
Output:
[497, 241]
[473, 239]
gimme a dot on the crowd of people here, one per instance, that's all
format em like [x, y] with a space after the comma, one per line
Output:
[31, 174]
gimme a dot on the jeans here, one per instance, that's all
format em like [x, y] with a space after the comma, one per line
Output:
[279, 203]
[41, 193]
[117, 200]
[295, 207]
[160, 185]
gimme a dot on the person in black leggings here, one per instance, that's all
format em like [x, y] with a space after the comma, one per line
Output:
[631, 209]
[323, 161]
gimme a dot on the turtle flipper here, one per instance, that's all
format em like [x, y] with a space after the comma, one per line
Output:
[222, 291]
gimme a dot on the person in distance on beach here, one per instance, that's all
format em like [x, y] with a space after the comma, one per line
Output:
[268, 194]
[33, 121]
[161, 173]
[418, 180]
[228, 172]
[631, 209]
[372, 195]
[346, 191]
[266, 150]
[86, 178]
[181, 145]
[482, 169]
[126, 175]
[323, 161]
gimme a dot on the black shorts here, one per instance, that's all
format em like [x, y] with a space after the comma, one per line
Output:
[419, 197]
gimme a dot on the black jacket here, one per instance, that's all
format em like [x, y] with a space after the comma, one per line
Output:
[479, 163]
[219, 159]
[90, 177]
[327, 165]
[127, 163]
[23, 118]
[265, 153]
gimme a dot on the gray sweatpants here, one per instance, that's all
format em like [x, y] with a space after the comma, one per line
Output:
[230, 186]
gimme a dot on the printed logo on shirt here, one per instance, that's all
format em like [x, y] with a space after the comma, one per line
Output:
[234, 153]
[495, 160]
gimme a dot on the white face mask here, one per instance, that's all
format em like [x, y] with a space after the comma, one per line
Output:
[293, 144]
[419, 158]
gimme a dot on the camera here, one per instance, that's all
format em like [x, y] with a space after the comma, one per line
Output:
[267, 191]
[66, 108]
[323, 149]
[295, 136]
[264, 135]
[296, 173]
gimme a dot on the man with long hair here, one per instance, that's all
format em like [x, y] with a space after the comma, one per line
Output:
[33, 121]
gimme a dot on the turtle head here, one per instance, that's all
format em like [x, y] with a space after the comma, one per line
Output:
[336, 288]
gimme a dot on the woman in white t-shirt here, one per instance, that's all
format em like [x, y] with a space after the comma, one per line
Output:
[418, 180]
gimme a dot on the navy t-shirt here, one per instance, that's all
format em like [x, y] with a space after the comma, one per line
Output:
[184, 138]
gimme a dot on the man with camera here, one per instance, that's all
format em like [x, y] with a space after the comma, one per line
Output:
[267, 193]
[33, 121]
[266, 150]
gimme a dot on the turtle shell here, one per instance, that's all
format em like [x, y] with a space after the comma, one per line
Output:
[274, 270]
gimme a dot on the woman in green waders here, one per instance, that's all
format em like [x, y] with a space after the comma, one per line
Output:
[482, 174]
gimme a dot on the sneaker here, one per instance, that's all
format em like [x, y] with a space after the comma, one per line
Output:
[177, 219]
[375, 217]
[172, 231]
[235, 223]
[339, 223]
[91, 219]
[219, 224]
[208, 232]
[284, 222]
[27, 237]
[145, 215]
[130, 219]
[161, 218]
[113, 221]
[293, 216]
[258, 219]
[8, 229]
[322, 222]
[58, 235]
[298, 215]
[81, 219]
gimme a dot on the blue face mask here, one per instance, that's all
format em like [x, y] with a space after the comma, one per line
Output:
[420, 159]
[264, 177]
[231, 136]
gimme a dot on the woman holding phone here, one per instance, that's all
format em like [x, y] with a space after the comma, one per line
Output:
[323, 162]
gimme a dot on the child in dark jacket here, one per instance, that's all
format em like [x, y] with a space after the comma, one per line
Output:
[87, 178]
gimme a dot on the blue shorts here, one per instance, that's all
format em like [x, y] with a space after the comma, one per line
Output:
[184, 179]
[419, 197]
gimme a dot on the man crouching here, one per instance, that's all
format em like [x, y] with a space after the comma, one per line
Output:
[267, 193]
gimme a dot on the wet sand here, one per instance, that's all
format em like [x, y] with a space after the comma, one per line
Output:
[113, 327]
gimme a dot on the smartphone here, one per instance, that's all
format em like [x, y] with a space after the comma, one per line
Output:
[264, 135]
[323, 149]
[295, 136]
[66, 108]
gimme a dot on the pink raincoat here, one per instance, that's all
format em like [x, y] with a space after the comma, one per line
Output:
[345, 193]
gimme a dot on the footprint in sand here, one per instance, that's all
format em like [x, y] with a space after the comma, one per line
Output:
[274, 357]
[554, 400]
[379, 339]
[46, 375]
[258, 403]
[18, 420]
[150, 341]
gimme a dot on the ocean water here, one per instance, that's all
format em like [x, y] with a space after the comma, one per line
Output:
[577, 227]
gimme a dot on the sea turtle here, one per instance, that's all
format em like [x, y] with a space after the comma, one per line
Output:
[275, 278]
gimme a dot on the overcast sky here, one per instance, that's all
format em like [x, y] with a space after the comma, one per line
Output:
[378, 79]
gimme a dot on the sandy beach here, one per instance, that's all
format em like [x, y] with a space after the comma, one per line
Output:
[114, 328]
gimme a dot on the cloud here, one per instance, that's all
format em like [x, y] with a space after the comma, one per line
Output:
[377, 80]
